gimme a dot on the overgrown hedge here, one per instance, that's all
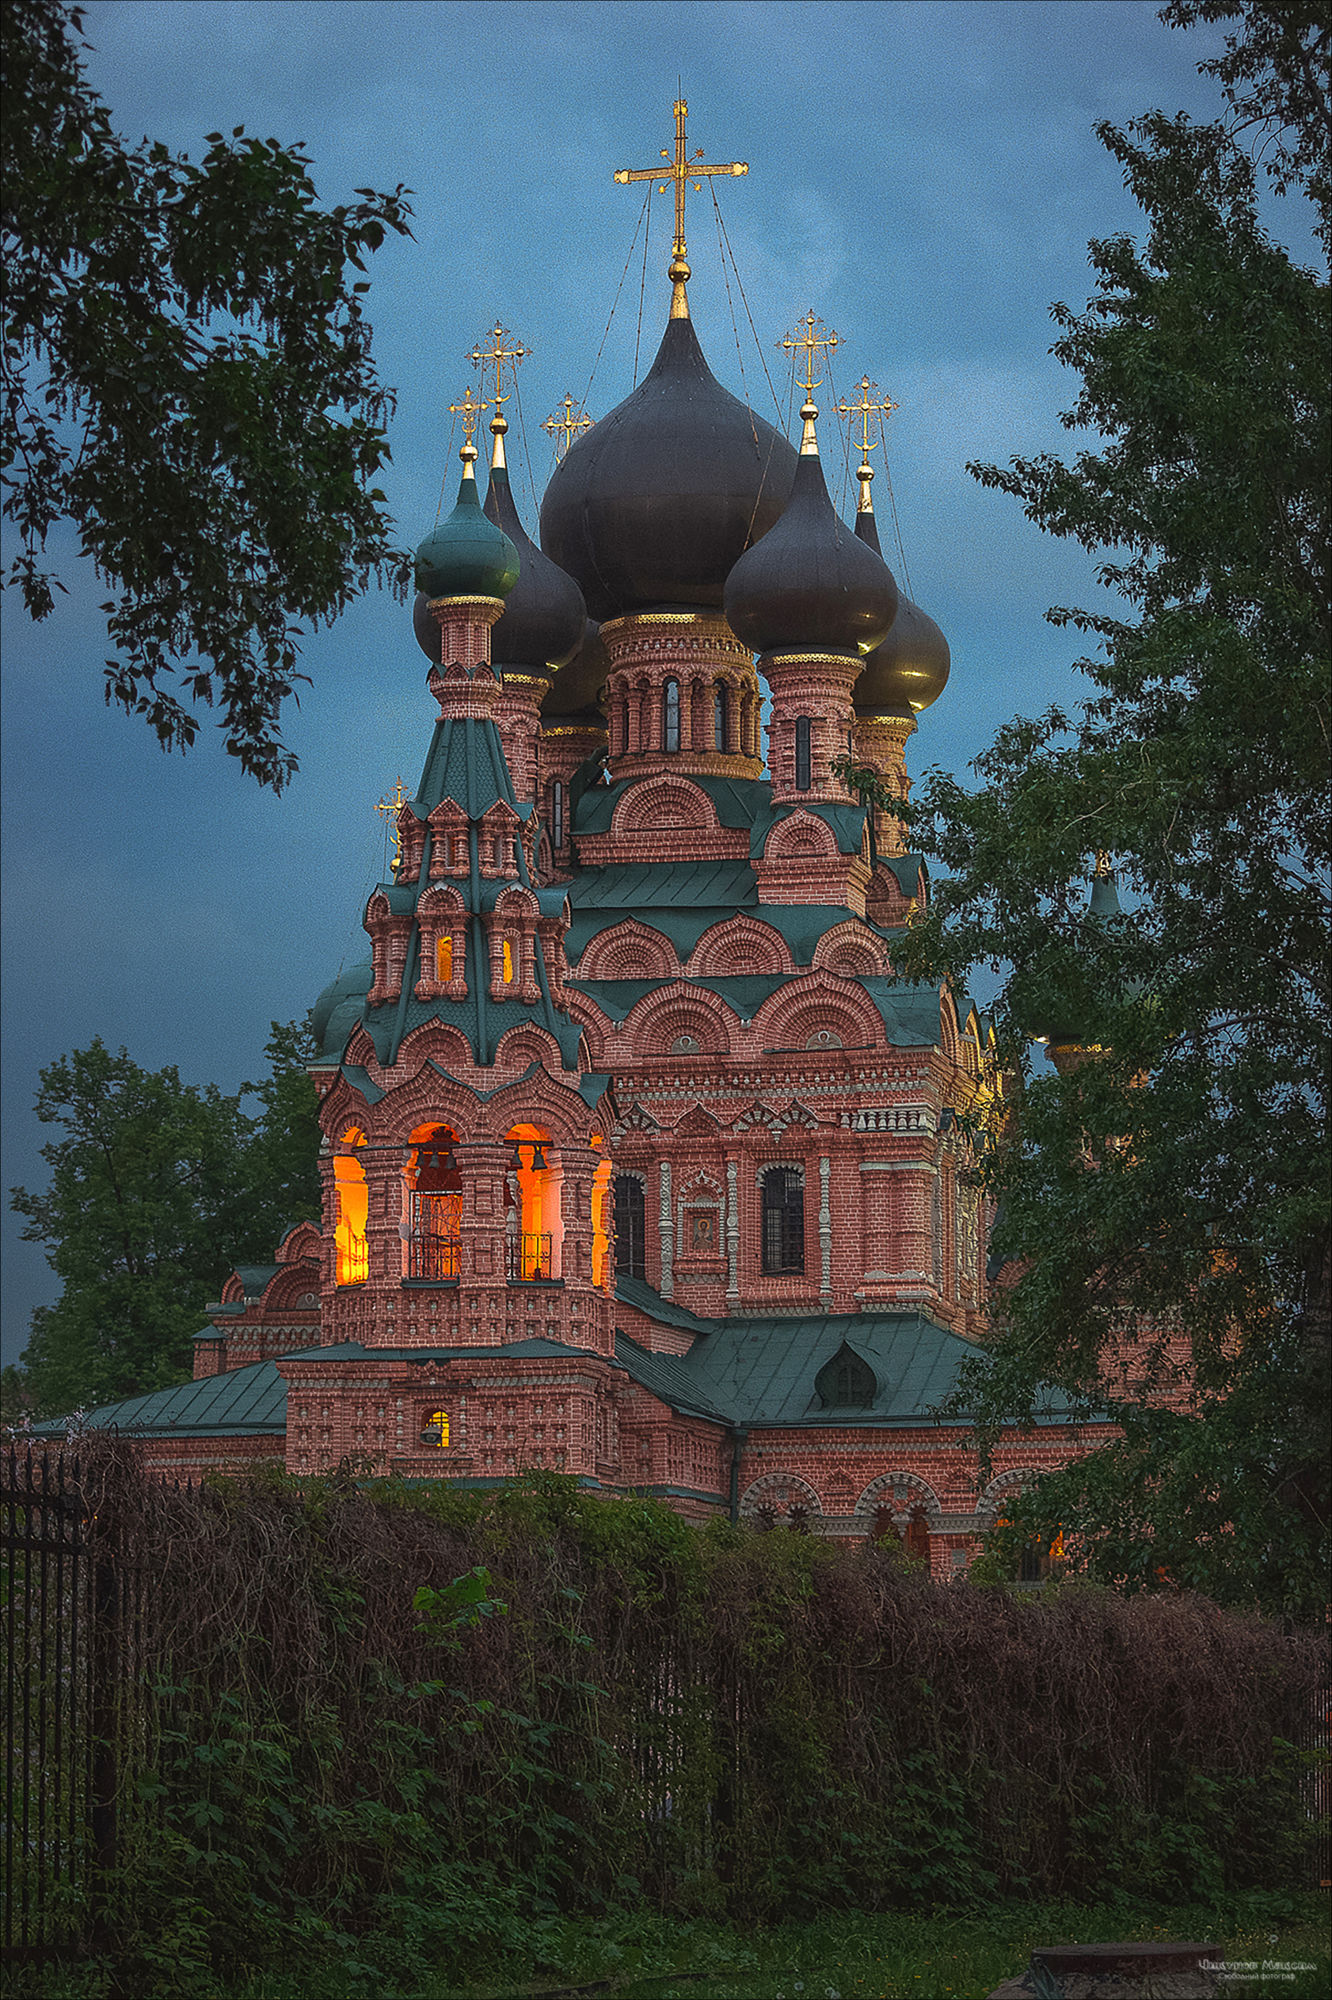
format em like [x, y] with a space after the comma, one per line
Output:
[348, 1748]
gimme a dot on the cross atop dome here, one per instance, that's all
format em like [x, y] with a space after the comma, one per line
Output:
[871, 404]
[811, 342]
[566, 427]
[681, 170]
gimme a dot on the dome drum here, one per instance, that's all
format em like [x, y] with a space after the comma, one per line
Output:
[682, 695]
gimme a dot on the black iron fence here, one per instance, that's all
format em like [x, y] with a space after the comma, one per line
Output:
[76, 1714]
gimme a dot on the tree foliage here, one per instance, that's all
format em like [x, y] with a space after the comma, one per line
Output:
[188, 380]
[1172, 1185]
[158, 1189]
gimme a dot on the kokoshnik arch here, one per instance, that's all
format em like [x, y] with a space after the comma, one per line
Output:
[638, 1160]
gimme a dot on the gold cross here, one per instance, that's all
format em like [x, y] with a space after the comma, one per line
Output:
[866, 408]
[469, 409]
[566, 428]
[394, 806]
[503, 352]
[681, 170]
[811, 342]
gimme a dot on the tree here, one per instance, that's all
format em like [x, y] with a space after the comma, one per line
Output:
[1172, 1182]
[157, 1191]
[188, 380]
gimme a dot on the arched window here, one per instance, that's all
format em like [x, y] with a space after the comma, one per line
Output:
[670, 716]
[783, 1219]
[846, 1382]
[506, 950]
[444, 960]
[630, 1229]
[352, 1251]
[802, 753]
[721, 736]
[557, 815]
[434, 1205]
[532, 1203]
[435, 1429]
[918, 1535]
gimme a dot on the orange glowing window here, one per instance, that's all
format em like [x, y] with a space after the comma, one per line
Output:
[507, 962]
[351, 1248]
[600, 1220]
[435, 1430]
[444, 960]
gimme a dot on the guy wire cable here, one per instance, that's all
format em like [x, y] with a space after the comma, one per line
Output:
[745, 302]
[642, 213]
[642, 286]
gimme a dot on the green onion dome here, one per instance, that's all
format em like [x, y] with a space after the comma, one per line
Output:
[810, 585]
[653, 504]
[541, 627]
[339, 1007]
[577, 685]
[467, 555]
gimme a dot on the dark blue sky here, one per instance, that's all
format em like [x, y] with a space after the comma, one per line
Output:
[924, 176]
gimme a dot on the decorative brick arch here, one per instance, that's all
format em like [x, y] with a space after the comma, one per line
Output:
[435, 1041]
[661, 1019]
[739, 945]
[426, 1099]
[591, 1021]
[801, 835]
[301, 1243]
[782, 1491]
[525, 1045]
[883, 1492]
[665, 804]
[851, 951]
[885, 903]
[630, 951]
[1004, 1487]
[818, 1005]
[949, 1040]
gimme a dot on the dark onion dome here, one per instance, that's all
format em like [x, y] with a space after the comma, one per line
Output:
[654, 504]
[910, 669]
[340, 1006]
[467, 555]
[810, 585]
[544, 614]
[578, 683]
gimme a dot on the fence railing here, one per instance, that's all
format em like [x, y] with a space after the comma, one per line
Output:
[530, 1259]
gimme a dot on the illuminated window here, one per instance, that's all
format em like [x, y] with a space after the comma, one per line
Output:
[720, 730]
[783, 1219]
[444, 960]
[352, 1256]
[802, 753]
[670, 716]
[600, 1233]
[434, 1207]
[532, 1198]
[435, 1430]
[506, 960]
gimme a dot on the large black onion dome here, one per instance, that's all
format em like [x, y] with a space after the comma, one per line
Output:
[578, 683]
[654, 504]
[542, 623]
[810, 585]
[910, 669]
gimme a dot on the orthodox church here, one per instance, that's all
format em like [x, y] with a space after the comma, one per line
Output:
[639, 1162]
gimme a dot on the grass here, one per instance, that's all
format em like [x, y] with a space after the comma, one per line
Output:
[847, 1957]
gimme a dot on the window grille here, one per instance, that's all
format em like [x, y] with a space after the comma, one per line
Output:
[630, 1226]
[720, 731]
[783, 1220]
[670, 716]
[802, 761]
[433, 1235]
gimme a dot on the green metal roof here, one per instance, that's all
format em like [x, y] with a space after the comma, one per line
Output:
[244, 1402]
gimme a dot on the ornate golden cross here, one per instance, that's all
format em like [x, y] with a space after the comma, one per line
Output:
[469, 409]
[811, 342]
[870, 405]
[394, 806]
[564, 429]
[503, 352]
[681, 170]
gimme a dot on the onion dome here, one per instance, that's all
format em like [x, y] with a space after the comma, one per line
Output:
[810, 585]
[656, 502]
[467, 555]
[542, 623]
[910, 669]
[339, 1007]
[580, 680]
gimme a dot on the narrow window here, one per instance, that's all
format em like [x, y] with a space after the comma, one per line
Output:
[802, 753]
[444, 960]
[506, 956]
[434, 1208]
[353, 1261]
[783, 1220]
[720, 734]
[630, 1212]
[670, 716]
[557, 815]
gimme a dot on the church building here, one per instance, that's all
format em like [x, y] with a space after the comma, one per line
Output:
[639, 1161]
